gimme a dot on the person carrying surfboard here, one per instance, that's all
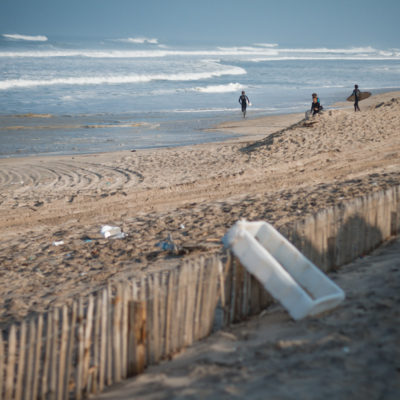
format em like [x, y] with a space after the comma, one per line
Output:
[357, 96]
[356, 93]
[244, 101]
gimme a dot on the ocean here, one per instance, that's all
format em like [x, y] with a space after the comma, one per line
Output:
[76, 96]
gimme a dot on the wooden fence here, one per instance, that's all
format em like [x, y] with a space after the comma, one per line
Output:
[77, 350]
[339, 234]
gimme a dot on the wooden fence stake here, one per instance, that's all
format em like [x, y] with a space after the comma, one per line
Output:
[162, 308]
[88, 342]
[116, 336]
[96, 345]
[137, 324]
[47, 357]
[131, 339]
[169, 311]
[21, 362]
[190, 304]
[149, 298]
[54, 354]
[156, 317]
[176, 310]
[109, 372]
[221, 283]
[38, 357]
[11, 363]
[124, 330]
[2, 365]
[71, 349]
[212, 294]
[199, 300]
[61, 390]
[206, 299]
[29, 365]
[229, 294]
[103, 344]
[181, 307]
[81, 350]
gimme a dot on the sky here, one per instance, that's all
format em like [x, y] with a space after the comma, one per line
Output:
[307, 23]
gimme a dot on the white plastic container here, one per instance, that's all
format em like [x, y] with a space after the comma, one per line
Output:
[285, 273]
[112, 232]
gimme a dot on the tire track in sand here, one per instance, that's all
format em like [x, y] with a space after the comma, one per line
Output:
[55, 179]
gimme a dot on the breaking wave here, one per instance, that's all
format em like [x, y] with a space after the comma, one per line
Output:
[230, 87]
[204, 110]
[135, 78]
[351, 50]
[266, 44]
[258, 52]
[138, 40]
[16, 36]
[85, 53]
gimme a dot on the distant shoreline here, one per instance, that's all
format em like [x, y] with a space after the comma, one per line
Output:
[232, 131]
[257, 128]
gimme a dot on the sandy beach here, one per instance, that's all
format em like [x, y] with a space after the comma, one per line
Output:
[280, 169]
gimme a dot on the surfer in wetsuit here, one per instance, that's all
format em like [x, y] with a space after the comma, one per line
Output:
[244, 100]
[356, 93]
[315, 105]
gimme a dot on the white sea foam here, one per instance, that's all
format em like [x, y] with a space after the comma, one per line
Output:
[118, 79]
[160, 52]
[386, 53]
[266, 44]
[228, 88]
[16, 36]
[138, 40]
[203, 110]
[351, 50]
[86, 53]
[333, 86]
[258, 53]
[222, 109]
[319, 58]
[245, 50]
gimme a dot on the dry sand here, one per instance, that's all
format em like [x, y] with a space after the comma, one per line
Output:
[194, 193]
[350, 353]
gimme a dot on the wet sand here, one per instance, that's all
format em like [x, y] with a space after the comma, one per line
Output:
[277, 171]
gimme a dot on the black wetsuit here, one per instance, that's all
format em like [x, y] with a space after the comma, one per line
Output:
[243, 100]
[356, 93]
[316, 107]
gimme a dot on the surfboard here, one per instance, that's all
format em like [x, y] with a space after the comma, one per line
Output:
[363, 95]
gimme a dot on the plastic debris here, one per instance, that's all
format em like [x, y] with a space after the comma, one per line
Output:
[86, 239]
[58, 243]
[282, 269]
[112, 232]
[168, 244]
